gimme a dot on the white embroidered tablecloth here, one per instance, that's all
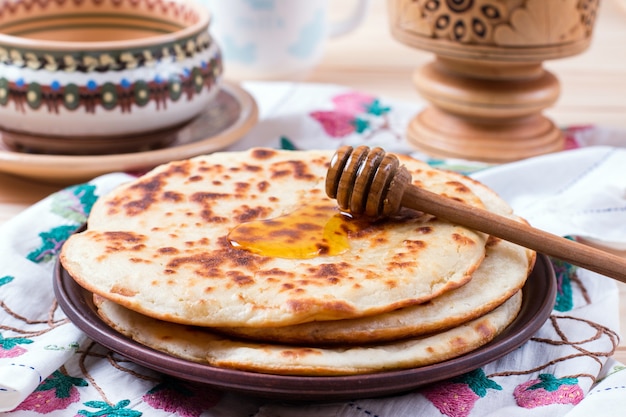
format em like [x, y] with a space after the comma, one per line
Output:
[47, 366]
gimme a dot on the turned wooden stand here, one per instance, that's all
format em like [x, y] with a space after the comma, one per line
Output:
[487, 87]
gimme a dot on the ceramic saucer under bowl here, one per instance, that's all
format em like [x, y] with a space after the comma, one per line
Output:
[225, 121]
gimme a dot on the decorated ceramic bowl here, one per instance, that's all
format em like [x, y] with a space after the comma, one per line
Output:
[103, 76]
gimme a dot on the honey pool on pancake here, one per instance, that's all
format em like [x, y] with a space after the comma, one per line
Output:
[316, 229]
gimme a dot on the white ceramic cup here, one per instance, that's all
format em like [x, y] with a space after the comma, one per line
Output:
[276, 39]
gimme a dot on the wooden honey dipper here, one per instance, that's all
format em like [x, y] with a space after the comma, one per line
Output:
[373, 183]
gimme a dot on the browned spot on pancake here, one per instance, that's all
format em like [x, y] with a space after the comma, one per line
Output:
[196, 178]
[274, 199]
[149, 190]
[262, 186]
[247, 213]
[168, 250]
[205, 199]
[391, 283]
[242, 187]
[126, 237]
[304, 304]
[400, 264]
[299, 353]
[380, 240]
[123, 291]
[459, 187]
[263, 153]
[216, 182]
[251, 168]
[484, 329]
[240, 278]
[414, 245]
[173, 196]
[322, 249]
[287, 286]
[213, 264]
[462, 240]
[205, 167]
[329, 270]
[458, 343]
[123, 241]
[297, 169]
[209, 290]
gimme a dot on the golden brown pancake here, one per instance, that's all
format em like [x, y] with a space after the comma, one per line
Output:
[181, 244]
[203, 346]
[501, 274]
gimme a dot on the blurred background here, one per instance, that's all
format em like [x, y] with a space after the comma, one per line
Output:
[384, 64]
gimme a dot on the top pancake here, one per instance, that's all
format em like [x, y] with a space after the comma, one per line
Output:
[160, 245]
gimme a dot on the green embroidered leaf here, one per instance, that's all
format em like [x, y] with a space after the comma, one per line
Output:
[74, 203]
[105, 409]
[564, 273]
[551, 383]
[10, 342]
[51, 243]
[360, 125]
[376, 108]
[478, 382]
[6, 279]
[287, 144]
[61, 383]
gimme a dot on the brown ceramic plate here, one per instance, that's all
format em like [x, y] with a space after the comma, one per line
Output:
[539, 295]
[224, 122]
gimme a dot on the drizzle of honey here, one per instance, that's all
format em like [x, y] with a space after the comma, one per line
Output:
[315, 229]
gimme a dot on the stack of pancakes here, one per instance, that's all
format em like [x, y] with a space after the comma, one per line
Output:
[240, 260]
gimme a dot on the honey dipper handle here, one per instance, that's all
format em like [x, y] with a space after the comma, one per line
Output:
[520, 233]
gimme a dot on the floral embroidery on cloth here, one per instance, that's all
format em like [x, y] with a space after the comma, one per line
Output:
[354, 112]
[546, 390]
[457, 397]
[57, 392]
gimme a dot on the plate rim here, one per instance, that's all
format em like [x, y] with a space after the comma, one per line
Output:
[534, 314]
[53, 168]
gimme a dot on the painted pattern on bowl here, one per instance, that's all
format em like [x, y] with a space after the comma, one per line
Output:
[98, 68]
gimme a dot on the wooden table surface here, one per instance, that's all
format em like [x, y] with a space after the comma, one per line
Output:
[593, 88]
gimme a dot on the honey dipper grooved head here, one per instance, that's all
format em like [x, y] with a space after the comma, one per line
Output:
[368, 182]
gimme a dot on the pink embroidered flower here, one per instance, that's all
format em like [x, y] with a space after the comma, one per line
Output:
[183, 399]
[457, 397]
[548, 390]
[57, 392]
[10, 346]
[353, 103]
[573, 135]
[14, 352]
[452, 400]
[334, 123]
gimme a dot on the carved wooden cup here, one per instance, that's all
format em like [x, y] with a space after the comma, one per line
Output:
[487, 86]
